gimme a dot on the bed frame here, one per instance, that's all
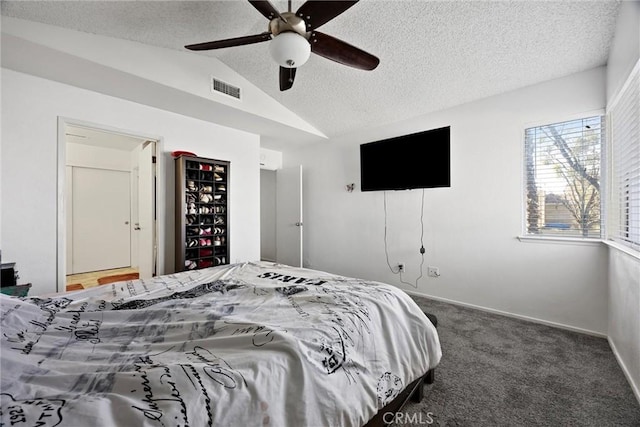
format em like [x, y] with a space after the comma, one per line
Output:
[413, 391]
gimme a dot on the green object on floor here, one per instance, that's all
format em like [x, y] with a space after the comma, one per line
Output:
[16, 291]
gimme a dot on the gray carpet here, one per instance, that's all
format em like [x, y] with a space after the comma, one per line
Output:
[500, 371]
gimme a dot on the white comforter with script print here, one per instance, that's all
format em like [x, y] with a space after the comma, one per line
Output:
[254, 344]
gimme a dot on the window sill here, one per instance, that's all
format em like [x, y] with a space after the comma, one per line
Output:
[575, 240]
[559, 239]
[622, 248]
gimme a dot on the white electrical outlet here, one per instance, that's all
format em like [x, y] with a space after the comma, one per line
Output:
[433, 272]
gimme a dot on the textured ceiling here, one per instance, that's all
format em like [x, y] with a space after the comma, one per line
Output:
[433, 54]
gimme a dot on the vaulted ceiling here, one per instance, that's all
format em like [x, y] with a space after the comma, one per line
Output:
[433, 54]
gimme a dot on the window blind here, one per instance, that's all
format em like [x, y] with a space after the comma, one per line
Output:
[623, 209]
[562, 178]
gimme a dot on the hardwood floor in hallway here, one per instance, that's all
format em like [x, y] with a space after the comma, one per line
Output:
[90, 279]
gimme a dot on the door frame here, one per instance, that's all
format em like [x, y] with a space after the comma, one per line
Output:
[61, 236]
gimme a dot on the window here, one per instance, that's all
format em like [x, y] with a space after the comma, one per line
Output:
[623, 209]
[562, 178]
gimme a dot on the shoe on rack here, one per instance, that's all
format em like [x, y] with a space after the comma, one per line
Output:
[205, 167]
[216, 177]
[205, 263]
[218, 168]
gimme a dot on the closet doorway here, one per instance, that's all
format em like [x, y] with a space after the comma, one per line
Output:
[108, 218]
[281, 227]
[268, 215]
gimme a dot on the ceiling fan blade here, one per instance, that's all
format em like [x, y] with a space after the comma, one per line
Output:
[317, 13]
[236, 41]
[266, 9]
[342, 52]
[287, 75]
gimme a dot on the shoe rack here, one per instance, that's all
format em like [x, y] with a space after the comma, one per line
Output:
[202, 213]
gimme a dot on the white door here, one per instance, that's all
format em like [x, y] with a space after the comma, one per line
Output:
[268, 215]
[144, 224]
[289, 229]
[68, 209]
[101, 219]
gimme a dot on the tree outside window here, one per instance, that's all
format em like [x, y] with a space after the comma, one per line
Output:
[563, 166]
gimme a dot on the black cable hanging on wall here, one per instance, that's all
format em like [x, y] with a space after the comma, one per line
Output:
[422, 250]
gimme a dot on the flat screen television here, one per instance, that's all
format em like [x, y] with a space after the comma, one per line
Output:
[418, 160]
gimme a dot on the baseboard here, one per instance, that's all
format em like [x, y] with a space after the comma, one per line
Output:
[635, 387]
[513, 315]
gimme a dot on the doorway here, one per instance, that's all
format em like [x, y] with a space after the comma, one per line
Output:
[268, 215]
[281, 228]
[107, 206]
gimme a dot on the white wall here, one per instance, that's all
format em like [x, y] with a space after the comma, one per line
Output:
[89, 156]
[624, 269]
[625, 48]
[170, 79]
[30, 110]
[624, 313]
[270, 159]
[470, 229]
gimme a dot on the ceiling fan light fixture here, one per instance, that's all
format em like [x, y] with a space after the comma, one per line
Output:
[289, 49]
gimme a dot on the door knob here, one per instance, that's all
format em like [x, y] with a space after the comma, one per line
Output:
[298, 224]
[137, 226]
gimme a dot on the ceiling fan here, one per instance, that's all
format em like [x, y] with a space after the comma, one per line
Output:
[294, 36]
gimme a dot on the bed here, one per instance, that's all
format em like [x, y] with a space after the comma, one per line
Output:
[250, 344]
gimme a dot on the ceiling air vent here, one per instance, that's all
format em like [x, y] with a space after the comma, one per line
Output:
[226, 88]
